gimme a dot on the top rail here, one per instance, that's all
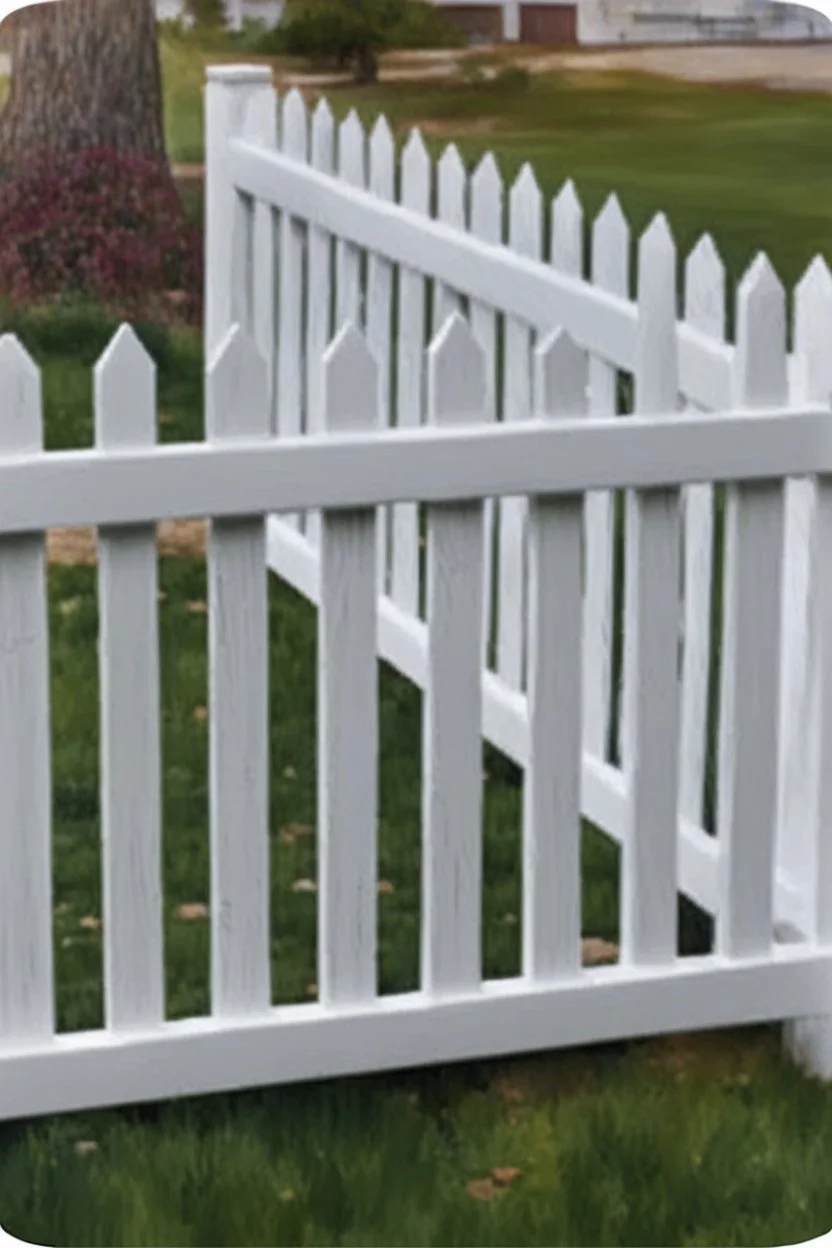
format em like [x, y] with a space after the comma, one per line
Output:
[491, 273]
[54, 489]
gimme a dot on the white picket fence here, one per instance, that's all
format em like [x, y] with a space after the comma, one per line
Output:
[313, 502]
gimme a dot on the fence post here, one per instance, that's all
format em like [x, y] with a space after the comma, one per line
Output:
[238, 99]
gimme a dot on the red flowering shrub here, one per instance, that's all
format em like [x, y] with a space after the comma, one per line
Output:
[101, 225]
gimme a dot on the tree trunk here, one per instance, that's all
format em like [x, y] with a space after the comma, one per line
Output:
[365, 65]
[85, 73]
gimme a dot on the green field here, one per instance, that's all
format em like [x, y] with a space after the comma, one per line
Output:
[697, 1141]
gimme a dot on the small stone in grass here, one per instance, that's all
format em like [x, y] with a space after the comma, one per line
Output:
[83, 1148]
[505, 1175]
[200, 714]
[597, 952]
[69, 606]
[480, 1189]
[192, 910]
[91, 923]
[198, 608]
[384, 886]
[289, 773]
[304, 886]
[292, 831]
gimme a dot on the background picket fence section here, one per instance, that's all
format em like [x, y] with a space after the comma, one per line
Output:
[514, 285]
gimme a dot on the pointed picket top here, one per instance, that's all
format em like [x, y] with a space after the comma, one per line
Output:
[567, 248]
[705, 288]
[611, 221]
[416, 173]
[293, 125]
[487, 200]
[236, 389]
[525, 225]
[561, 377]
[450, 167]
[125, 392]
[761, 364]
[611, 248]
[21, 410]
[525, 185]
[382, 160]
[814, 286]
[450, 187]
[323, 136]
[350, 383]
[415, 150]
[812, 319]
[351, 149]
[657, 368]
[657, 240]
[486, 178]
[456, 375]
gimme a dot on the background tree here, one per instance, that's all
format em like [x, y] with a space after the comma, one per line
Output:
[85, 74]
[353, 33]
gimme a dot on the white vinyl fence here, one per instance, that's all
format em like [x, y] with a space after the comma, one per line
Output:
[303, 477]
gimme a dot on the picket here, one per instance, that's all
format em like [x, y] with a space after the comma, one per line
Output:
[26, 958]
[319, 285]
[652, 572]
[382, 182]
[289, 396]
[610, 271]
[525, 237]
[352, 169]
[415, 196]
[749, 691]
[450, 209]
[487, 224]
[237, 408]
[705, 310]
[552, 797]
[452, 762]
[128, 655]
[347, 703]
[261, 124]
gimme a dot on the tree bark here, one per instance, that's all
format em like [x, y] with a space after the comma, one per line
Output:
[85, 74]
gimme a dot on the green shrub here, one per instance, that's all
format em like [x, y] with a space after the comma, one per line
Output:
[424, 25]
[352, 34]
[206, 12]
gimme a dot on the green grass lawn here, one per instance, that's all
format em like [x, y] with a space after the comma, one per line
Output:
[710, 1141]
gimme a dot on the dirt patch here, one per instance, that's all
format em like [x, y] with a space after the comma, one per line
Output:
[187, 173]
[454, 127]
[795, 67]
[174, 538]
[732, 1055]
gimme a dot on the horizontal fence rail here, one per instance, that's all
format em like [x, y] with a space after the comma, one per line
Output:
[260, 476]
[537, 295]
